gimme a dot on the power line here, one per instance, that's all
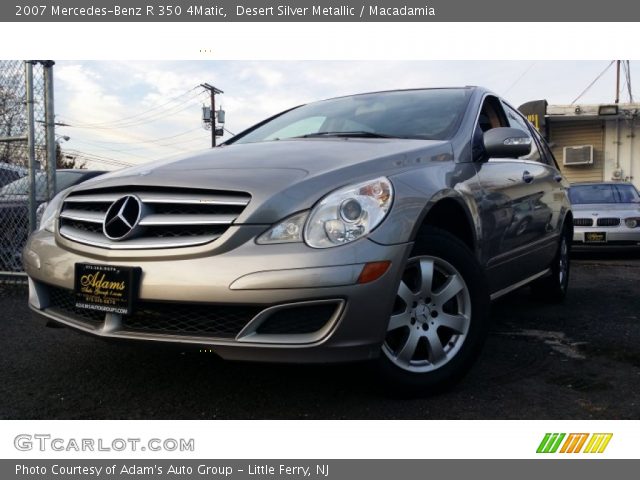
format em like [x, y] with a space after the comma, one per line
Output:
[593, 82]
[131, 149]
[124, 119]
[86, 142]
[517, 80]
[150, 141]
[96, 158]
[150, 119]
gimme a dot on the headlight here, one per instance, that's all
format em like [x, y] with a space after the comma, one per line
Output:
[632, 222]
[288, 230]
[349, 213]
[47, 212]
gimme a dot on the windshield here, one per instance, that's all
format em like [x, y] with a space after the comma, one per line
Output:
[417, 114]
[21, 186]
[603, 193]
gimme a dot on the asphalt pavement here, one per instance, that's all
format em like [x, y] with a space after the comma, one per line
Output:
[579, 360]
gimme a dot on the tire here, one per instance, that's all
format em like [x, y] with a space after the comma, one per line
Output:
[440, 317]
[553, 287]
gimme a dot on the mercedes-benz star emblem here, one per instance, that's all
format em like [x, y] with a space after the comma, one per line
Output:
[122, 218]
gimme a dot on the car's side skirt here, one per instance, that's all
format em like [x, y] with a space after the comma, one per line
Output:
[517, 285]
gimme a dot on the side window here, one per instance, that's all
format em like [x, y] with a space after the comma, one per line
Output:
[517, 121]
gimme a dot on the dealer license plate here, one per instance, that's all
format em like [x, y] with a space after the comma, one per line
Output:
[595, 237]
[106, 288]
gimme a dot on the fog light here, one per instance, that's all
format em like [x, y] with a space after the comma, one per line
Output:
[373, 271]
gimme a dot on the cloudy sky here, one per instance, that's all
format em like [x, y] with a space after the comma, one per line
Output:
[134, 112]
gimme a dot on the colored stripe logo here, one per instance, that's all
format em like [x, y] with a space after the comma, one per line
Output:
[574, 443]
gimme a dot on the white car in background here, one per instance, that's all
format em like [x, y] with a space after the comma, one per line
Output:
[605, 214]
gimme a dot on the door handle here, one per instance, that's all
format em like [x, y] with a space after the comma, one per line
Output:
[527, 177]
[557, 177]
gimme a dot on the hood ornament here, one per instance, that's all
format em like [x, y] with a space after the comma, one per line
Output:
[122, 218]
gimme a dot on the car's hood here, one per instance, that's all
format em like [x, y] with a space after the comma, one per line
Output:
[606, 209]
[282, 176]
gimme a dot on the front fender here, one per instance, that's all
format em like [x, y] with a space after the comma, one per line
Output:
[417, 191]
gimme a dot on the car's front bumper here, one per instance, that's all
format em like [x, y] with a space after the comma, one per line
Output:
[242, 288]
[620, 235]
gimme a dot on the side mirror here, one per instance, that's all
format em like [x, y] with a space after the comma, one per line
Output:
[504, 142]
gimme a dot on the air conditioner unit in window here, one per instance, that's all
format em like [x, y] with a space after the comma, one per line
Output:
[578, 155]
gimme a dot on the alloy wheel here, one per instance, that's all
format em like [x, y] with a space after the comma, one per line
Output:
[431, 316]
[563, 262]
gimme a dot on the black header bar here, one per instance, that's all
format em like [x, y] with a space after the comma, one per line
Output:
[321, 11]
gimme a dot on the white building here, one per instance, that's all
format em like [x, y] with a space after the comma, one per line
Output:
[595, 142]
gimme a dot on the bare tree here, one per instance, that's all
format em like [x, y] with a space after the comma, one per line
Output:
[64, 160]
[13, 123]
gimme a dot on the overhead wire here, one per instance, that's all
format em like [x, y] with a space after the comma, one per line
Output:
[517, 80]
[150, 119]
[173, 106]
[87, 142]
[150, 141]
[593, 82]
[92, 157]
[127, 118]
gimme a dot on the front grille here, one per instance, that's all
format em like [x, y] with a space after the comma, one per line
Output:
[608, 222]
[63, 301]
[170, 217]
[220, 321]
[295, 320]
[204, 320]
[582, 222]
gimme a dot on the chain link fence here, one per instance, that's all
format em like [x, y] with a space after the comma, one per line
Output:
[25, 180]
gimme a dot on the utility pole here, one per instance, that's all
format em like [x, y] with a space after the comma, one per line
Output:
[50, 125]
[31, 144]
[617, 81]
[213, 91]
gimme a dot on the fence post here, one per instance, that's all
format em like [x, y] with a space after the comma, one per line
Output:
[50, 126]
[31, 144]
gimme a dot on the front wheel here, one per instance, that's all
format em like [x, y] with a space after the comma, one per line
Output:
[440, 317]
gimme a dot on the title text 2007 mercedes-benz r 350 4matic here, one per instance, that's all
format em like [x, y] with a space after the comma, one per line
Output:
[368, 227]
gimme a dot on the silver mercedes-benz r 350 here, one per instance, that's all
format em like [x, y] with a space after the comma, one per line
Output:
[369, 227]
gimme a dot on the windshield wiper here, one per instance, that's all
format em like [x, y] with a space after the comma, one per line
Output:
[355, 133]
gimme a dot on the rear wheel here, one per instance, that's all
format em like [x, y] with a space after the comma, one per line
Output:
[553, 288]
[440, 316]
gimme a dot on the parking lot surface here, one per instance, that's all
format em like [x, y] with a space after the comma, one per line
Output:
[577, 360]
